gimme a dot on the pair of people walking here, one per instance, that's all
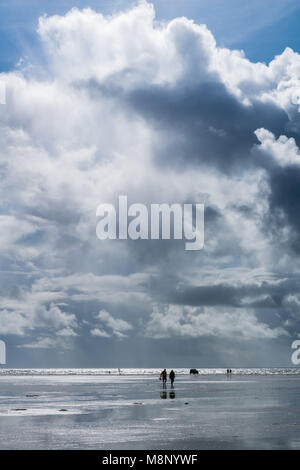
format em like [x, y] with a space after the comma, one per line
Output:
[164, 374]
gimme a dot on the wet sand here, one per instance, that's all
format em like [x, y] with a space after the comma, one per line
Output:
[136, 412]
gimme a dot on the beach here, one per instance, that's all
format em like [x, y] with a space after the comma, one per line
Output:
[134, 411]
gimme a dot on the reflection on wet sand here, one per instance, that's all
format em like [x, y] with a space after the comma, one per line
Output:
[164, 393]
[208, 412]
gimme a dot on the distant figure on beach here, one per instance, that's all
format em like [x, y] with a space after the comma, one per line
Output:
[172, 376]
[163, 376]
[194, 372]
[119, 370]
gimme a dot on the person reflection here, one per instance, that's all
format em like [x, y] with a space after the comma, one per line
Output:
[164, 394]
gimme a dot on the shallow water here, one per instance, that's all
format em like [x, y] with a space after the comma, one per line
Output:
[136, 412]
[152, 371]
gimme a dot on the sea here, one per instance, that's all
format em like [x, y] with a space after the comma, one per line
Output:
[150, 371]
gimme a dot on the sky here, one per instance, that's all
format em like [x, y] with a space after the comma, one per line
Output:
[262, 29]
[170, 101]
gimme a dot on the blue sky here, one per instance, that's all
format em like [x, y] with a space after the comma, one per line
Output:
[261, 29]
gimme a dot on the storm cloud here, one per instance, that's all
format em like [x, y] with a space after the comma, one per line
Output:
[157, 111]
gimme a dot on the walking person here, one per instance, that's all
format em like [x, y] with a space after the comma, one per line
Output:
[163, 376]
[172, 377]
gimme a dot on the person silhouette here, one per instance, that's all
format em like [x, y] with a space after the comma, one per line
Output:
[172, 377]
[163, 376]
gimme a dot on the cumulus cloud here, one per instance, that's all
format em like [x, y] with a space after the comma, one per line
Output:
[283, 150]
[42, 343]
[66, 332]
[117, 326]
[12, 323]
[123, 104]
[173, 320]
[99, 332]
[30, 311]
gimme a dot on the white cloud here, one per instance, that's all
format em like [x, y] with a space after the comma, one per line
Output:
[42, 343]
[99, 332]
[19, 316]
[66, 332]
[182, 321]
[283, 150]
[12, 323]
[118, 326]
